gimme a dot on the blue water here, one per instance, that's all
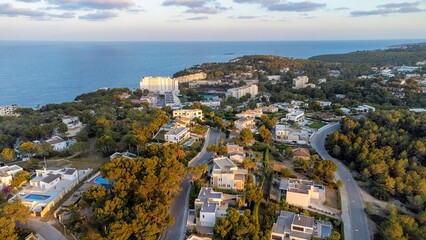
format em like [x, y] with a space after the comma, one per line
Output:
[37, 197]
[36, 73]
[325, 231]
[102, 181]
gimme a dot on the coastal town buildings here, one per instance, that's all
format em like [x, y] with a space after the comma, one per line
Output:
[177, 135]
[302, 193]
[245, 122]
[74, 125]
[301, 153]
[251, 113]
[291, 226]
[8, 110]
[189, 113]
[297, 116]
[211, 206]
[172, 100]
[226, 175]
[302, 82]
[242, 91]
[58, 143]
[160, 85]
[235, 152]
[289, 134]
[365, 108]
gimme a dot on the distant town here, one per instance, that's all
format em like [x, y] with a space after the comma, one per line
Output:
[262, 147]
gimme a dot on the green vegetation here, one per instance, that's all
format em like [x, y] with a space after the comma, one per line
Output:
[407, 54]
[316, 125]
[10, 213]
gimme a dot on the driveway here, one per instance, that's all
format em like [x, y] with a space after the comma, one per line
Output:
[45, 230]
[353, 215]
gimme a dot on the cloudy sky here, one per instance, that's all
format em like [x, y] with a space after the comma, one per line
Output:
[190, 20]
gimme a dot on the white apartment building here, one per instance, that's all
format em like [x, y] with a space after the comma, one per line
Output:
[225, 174]
[302, 82]
[7, 173]
[189, 113]
[242, 91]
[247, 123]
[172, 100]
[325, 103]
[302, 193]
[57, 143]
[177, 135]
[291, 226]
[365, 108]
[297, 116]
[160, 85]
[8, 110]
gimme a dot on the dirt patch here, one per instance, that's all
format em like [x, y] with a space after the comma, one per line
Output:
[331, 196]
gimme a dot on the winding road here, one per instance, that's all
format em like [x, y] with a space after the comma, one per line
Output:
[179, 208]
[353, 214]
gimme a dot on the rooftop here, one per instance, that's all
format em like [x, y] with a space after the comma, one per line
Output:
[302, 220]
[283, 223]
[177, 131]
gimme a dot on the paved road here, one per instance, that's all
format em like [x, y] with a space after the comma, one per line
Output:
[179, 208]
[353, 215]
[45, 230]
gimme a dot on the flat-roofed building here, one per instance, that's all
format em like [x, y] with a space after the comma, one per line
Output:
[172, 100]
[225, 174]
[291, 226]
[302, 82]
[247, 123]
[253, 113]
[208, 203]
[297, 116]
[302, 193]
[177, 135]
[160, 85]
[242, 91]
[7, 173]
[189, 113]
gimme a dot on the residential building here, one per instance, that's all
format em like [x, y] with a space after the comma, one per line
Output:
[48, 187]
[365, 108]
[245, 122]
[253, 113]
[151, 100]
[172, 100]
[160, 85]
[407, 68]
[291, 226]
[289, 134]
[8, 110]
[74, 125]
[324, 103]
[235, 152]
[212, 102]
[191, 77]
[195, 237]
[198, 83]
[322, 80]
[7, 173]
[177, 135]
[242, 91]
[302, 82]
[225, 174]
[127, 155]
[209, 203]
[295, 116]
[167, 126]
[302, 193]
[270, 109]
[334, 73]
[302, 153]
[58, 143]
[182, 122]
[189, 113]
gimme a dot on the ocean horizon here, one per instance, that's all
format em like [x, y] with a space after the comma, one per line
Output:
[34, 73]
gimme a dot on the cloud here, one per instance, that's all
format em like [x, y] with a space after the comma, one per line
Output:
[197, 6]
[92, 4]
[98, 16]
[296, 6]
[10, 11]
[197, 18]
[341, 8]
[246, 17]
[390, 8]
[283, 6]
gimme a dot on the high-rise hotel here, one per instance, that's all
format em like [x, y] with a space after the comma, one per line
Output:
[160, 85]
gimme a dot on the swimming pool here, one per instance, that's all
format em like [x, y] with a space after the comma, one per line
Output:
[102, 181]
[325, 231]
[37, 197]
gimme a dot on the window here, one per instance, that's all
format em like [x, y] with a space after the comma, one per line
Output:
[203, 216]
[298, 229]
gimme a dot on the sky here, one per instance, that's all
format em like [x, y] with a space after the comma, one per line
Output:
[211, 20]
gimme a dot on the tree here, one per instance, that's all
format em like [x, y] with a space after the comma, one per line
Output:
[213, 148]
[246, 136]
[253, 193]
[268, 122]
[7, 229]
[265, 134]
[7, 154]
[28, 148]
[19, 178]
[286, 172]
[325, 170]
[249, 164]
[197, 172]
[17, 211]
[334, 236]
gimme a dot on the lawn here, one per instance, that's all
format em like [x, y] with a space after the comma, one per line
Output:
[316, 125]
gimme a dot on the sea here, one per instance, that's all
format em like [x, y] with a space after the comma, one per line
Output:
[33, 74]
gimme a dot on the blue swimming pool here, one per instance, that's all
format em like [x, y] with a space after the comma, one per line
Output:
[102, 181]
[37, 197]
[325, 231]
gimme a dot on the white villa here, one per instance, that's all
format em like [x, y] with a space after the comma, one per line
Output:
[7, 173]
[211, 206]
[189, 113]
[288, 134]
[225, 174]
[291, 226]
[297, 116]
[177, 135]
[48, 187]
[365, 108]
[302, 193]
[58, 143]
[73, 124]
[247, 123]
[253, 113]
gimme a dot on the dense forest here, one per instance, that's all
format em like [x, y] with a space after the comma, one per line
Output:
[388, 151]
[401, 55]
